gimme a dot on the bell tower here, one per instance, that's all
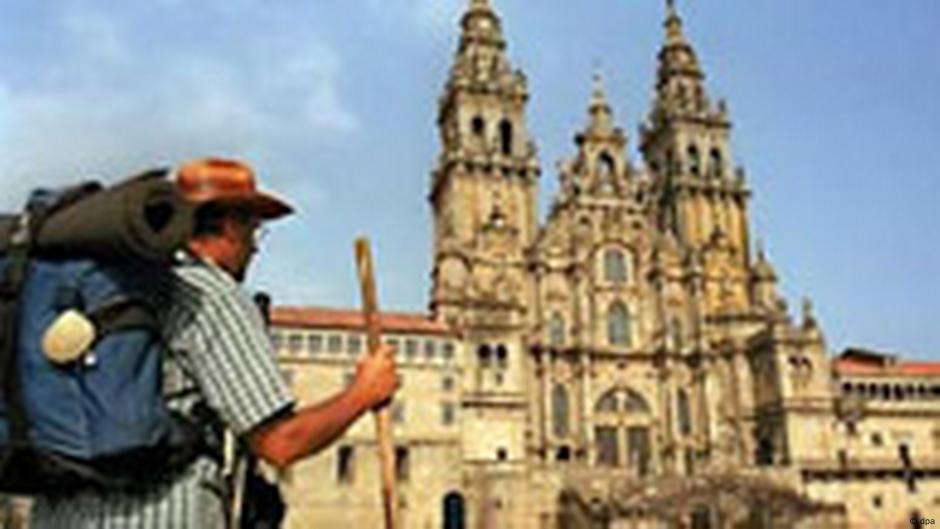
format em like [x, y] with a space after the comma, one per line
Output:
[483, 196]
[483, 190]
[685, 142]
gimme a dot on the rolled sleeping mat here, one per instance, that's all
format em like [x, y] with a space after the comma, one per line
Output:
[142, 218]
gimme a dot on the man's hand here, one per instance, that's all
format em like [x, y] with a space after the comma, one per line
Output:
[376, 377]
[312, 428]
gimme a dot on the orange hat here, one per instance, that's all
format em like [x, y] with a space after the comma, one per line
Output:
[223, 181]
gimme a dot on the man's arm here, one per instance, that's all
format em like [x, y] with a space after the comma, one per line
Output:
[313, 428]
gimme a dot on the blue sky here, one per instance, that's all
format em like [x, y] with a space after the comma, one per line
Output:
[835, 104]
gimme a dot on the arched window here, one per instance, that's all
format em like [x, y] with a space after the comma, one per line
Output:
[556, 330]
[605, 172]
[716, 166]
[615, 267]
[505, 137]
[684, 413]
[560, 411]
[622, 414]
[634, 403]
[501, 355]
[695, 162]
[453, 511]
[607, 404]
[605, 165]
[477, 126]
[485, 354]
[620, 400]
[618, 325]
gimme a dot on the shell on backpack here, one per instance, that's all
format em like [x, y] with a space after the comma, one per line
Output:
[68, 338]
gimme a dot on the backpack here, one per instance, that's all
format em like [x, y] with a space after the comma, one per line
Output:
[98, 419]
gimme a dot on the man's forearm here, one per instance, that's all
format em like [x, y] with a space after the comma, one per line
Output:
[309, 429]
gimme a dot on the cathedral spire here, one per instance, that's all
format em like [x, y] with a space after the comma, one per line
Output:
[600, 114]
[680, 78]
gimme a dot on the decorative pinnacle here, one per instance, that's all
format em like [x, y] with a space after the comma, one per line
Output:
[598, 94]
[673, 22]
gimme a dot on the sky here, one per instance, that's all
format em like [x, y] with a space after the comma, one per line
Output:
[835, 106]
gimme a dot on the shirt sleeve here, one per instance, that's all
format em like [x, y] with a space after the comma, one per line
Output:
[235, 362]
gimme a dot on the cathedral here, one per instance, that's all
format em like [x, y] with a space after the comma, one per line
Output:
[628, 362]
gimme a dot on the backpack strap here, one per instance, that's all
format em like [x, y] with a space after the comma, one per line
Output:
[122, 314]
[11, 284]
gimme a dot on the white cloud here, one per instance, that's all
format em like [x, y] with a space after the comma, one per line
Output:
[136, 109]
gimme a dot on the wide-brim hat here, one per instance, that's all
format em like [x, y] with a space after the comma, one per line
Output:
[231, 182]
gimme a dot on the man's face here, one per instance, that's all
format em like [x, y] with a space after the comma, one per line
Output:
[243, 231]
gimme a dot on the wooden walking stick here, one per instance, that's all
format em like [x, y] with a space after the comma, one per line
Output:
[383, 426]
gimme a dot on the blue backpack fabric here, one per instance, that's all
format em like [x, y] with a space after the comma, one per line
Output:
[99, 421]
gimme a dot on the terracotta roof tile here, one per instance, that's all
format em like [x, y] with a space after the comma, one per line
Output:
[848, 366]
[330, 318]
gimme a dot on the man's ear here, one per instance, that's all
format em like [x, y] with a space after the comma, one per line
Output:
[230, 229]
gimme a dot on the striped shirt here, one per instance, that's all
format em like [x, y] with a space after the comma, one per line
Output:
[220, 355]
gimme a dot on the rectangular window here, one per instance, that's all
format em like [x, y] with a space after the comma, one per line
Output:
[295, 343]
[277, 340]
[448, 352]
[334, 343]
[430, 349]
[638, 443]
[448, 413]
[447, 383]
[315, 343]
[354, 344]
[394, 344]
[345, 464]
[411, 348]
[605, 439]
[398, 412]
[402, 463]
[684, 413]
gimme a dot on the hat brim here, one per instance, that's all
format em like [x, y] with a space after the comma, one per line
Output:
[268, 207]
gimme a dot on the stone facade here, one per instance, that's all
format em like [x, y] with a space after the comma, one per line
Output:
[629, 361]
